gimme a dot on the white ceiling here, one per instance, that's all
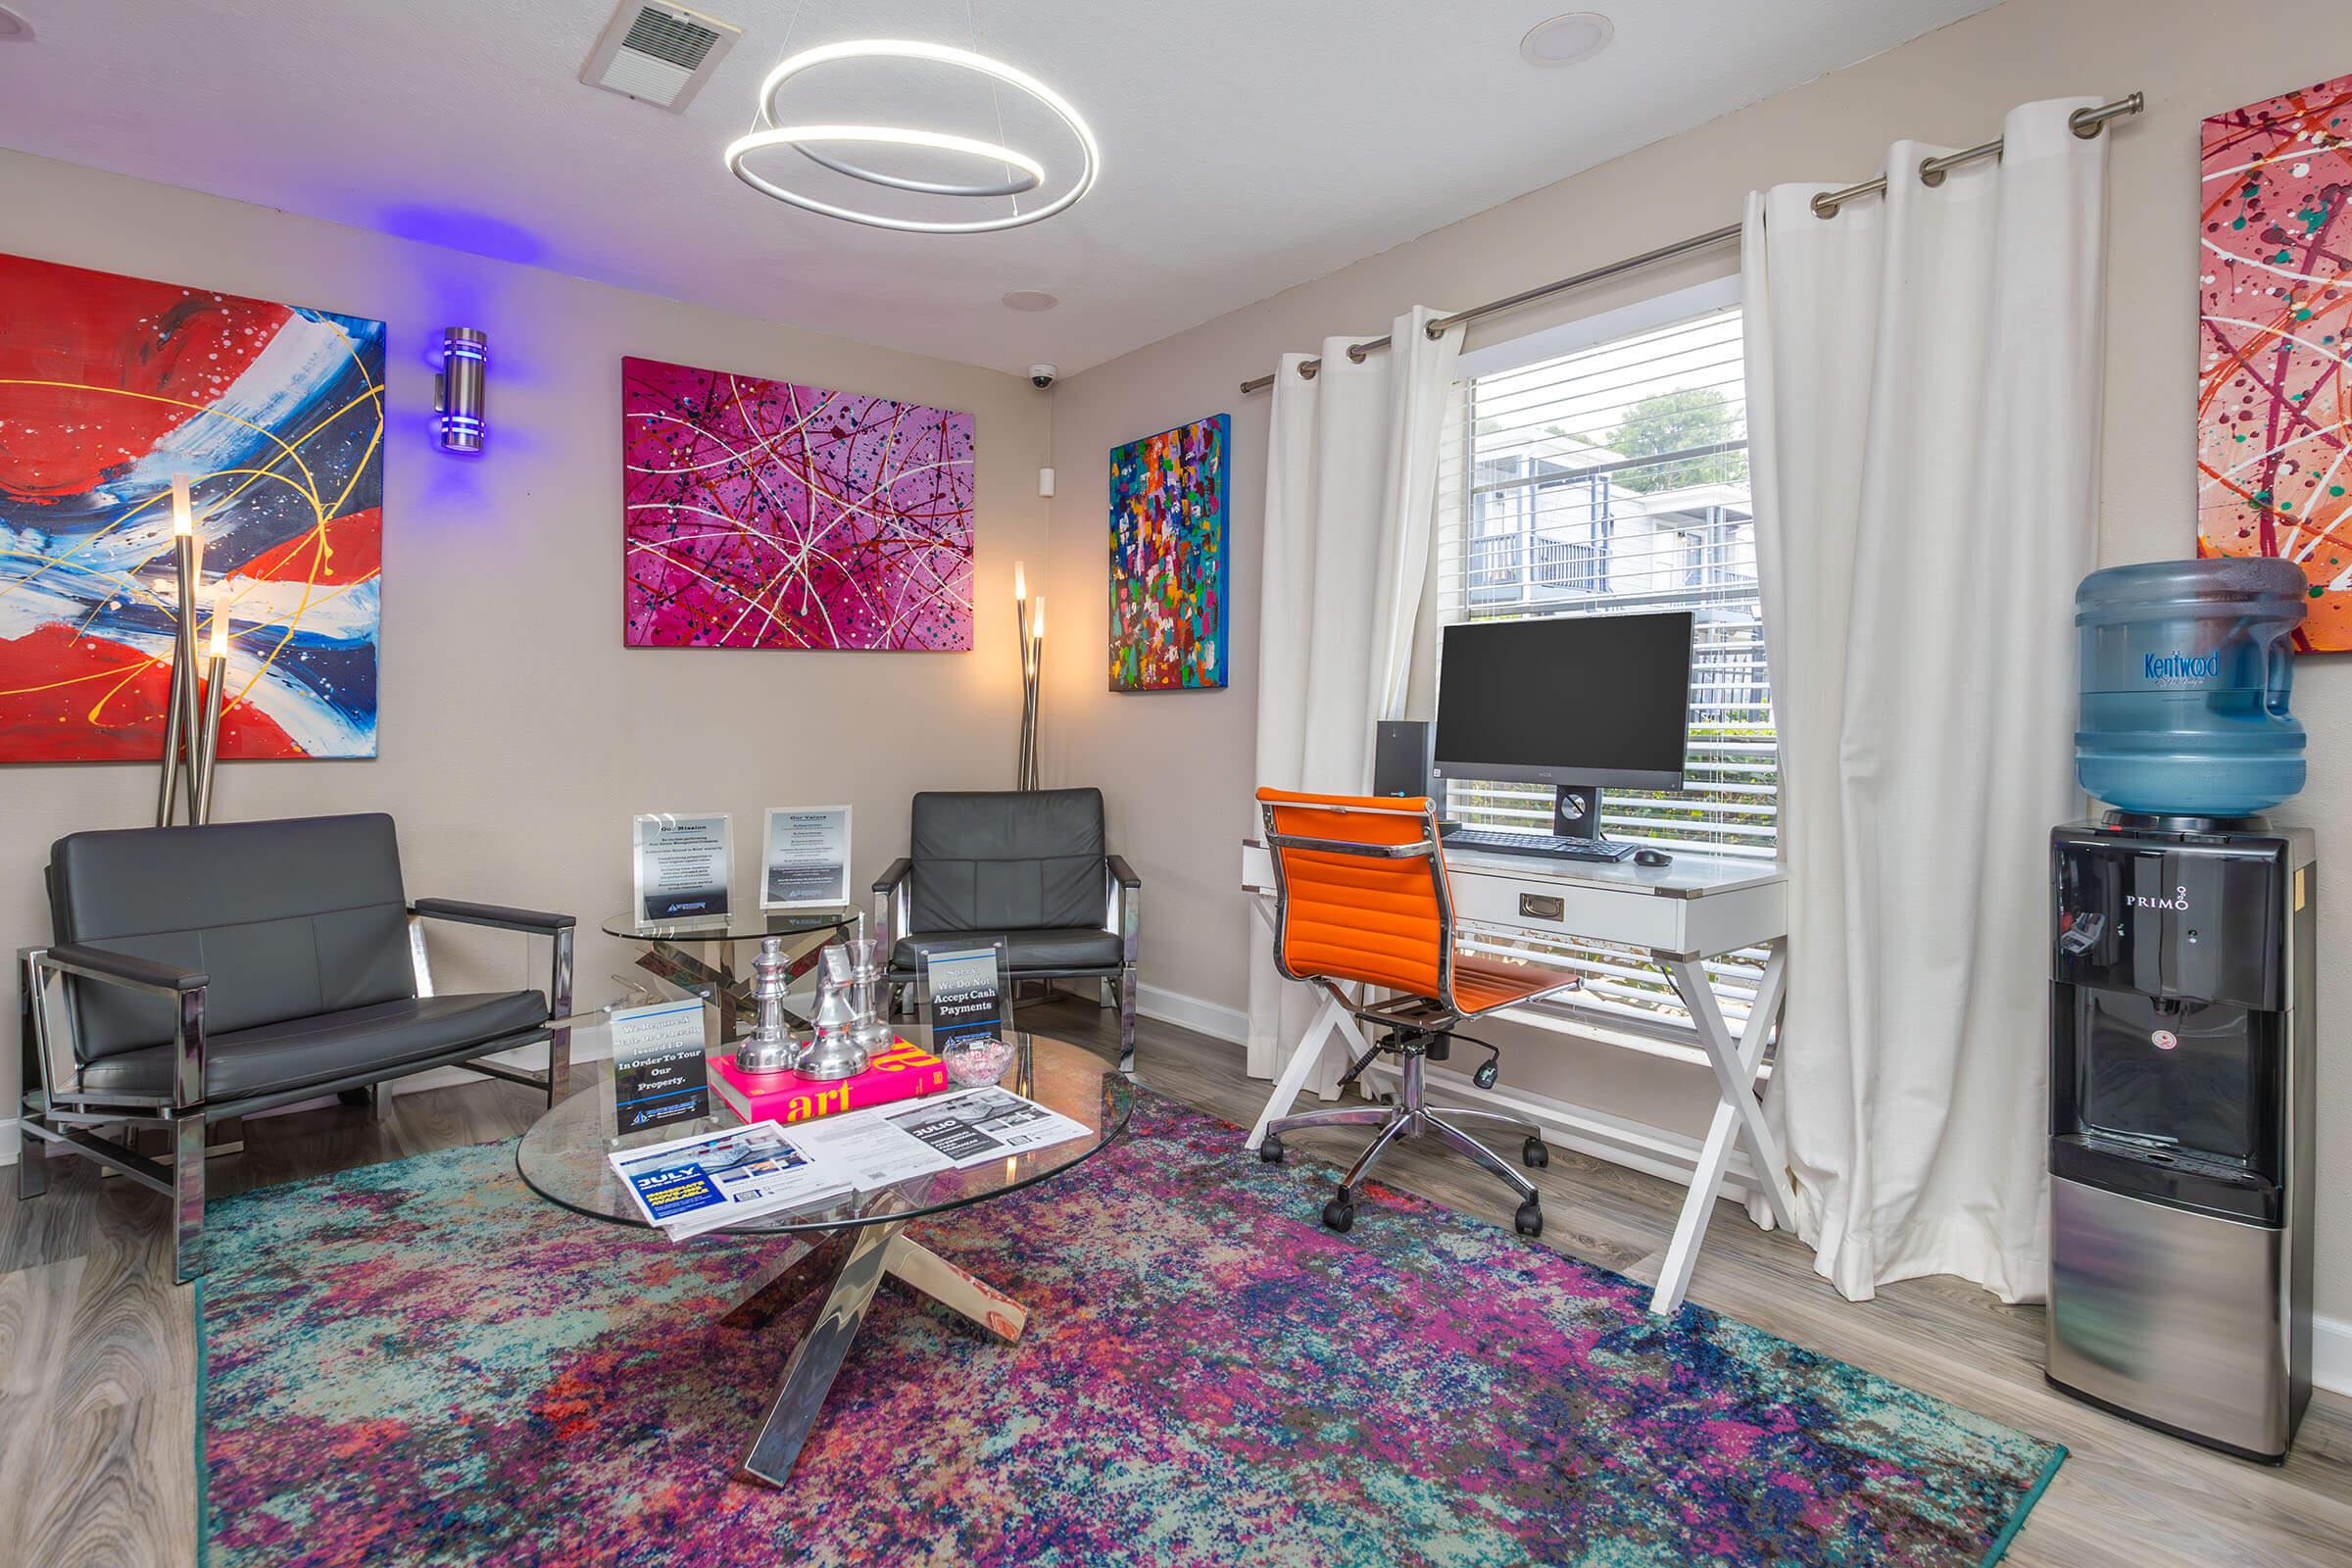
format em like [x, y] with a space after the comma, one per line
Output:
[1249, 145]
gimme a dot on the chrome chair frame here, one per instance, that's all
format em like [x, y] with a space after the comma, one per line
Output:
[60, 1111]
[1411, 1026]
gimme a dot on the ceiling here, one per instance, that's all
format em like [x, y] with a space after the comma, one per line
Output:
[1249, 145]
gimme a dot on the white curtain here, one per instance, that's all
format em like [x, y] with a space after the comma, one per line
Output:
[1352, 482]
[1924, 378]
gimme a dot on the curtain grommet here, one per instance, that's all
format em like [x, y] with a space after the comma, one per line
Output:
[1823, 207]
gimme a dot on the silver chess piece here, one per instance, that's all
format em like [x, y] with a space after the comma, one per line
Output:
[832, 1050]
[770, 1047]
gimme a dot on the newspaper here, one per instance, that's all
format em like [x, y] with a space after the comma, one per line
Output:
[705, 1182]
[978, 1125]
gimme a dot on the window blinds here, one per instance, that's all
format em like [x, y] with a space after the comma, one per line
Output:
[1602, 482]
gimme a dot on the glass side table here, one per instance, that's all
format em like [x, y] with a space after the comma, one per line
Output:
[712, 971]
[848, 1241]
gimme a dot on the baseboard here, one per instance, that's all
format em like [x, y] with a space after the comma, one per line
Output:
[1205, 1017]
[2332, 1355]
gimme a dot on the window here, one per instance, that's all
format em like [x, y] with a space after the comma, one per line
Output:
[1610, 474]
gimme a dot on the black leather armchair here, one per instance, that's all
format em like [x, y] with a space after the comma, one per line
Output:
[204, 973]
[1028, 866]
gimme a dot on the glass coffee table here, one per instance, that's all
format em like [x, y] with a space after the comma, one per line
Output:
[713, 972]
[850, 1242]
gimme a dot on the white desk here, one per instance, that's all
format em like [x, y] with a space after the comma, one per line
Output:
[1700, 908]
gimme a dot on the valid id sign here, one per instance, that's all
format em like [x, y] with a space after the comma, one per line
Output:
[659, 1075]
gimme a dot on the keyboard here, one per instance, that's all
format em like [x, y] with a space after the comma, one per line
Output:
[1551, 845]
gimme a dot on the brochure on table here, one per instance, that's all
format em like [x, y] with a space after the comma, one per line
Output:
[699, 1183]
[682, 865]
[805, 858]
[978, 1125]
[702, 1183]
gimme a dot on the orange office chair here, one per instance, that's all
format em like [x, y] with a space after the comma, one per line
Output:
[1361, 895]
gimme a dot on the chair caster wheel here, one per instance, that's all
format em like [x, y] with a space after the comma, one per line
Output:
[1340, 1214]
[1535, 1153]
[1270, 1150]
[1529, 1218]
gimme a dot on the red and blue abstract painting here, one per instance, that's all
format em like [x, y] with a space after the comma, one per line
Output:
[771, 515]
[1167, 558]
[110, 386]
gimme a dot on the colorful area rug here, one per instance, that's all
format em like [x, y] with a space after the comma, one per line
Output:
[422, 1362]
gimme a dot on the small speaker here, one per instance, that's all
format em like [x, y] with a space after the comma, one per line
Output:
[1402, 752]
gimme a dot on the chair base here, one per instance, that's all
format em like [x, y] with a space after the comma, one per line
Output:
[1409, 1115]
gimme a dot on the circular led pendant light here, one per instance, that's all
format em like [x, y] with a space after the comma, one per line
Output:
[816, 142]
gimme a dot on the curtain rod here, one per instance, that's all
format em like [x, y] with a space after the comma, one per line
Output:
[2085, 122]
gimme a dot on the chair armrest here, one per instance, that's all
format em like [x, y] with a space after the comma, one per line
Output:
[497, 914]
[1122, 872]
[893, 874]
[123, 969]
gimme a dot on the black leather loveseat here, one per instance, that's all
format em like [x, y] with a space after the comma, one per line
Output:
[202, 973]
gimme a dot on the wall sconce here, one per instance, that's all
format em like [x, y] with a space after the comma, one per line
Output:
[458, 422]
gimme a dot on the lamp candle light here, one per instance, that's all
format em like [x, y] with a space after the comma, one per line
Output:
[215, 687]
[1024, 767]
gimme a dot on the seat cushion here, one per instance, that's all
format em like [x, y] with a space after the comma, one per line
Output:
[1481, 985]
[297, 1052]
[1057, 948]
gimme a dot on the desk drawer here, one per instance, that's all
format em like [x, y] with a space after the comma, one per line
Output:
[1635, 918]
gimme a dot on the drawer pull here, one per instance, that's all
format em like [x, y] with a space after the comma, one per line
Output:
[1541, 907]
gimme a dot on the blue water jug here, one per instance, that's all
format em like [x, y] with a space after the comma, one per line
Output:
[2186, 666]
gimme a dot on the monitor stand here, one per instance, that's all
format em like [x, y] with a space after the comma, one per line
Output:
[1576, 815]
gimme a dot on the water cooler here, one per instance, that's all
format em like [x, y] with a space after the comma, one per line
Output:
[2183, 1027]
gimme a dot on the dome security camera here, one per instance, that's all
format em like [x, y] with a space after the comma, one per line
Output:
[1041, 377]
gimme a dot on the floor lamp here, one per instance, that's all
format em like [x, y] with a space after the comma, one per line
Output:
[192, 716]
[1030, 624]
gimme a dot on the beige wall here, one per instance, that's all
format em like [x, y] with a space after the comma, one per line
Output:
[1178, 767]
[517, 735]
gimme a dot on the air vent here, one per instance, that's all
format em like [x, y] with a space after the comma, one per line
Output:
[657, 54]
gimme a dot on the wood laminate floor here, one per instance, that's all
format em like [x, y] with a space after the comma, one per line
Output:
[98, 1362]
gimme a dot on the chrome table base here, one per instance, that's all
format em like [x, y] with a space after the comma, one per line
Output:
[853, 1267]
[715, 976]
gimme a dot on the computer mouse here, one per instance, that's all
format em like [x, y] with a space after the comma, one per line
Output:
[1652, 858]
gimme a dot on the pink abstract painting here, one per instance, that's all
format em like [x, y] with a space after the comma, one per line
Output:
[771, 515]
[2275, 307]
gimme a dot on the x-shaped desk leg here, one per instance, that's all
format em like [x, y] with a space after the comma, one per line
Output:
[1306, 1063]
[1738, 1113]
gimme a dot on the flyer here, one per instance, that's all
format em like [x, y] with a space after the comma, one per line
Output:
[979, 1125]
[688, 1185]
[868, 1149]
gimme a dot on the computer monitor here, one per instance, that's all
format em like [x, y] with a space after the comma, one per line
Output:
[1576, 701]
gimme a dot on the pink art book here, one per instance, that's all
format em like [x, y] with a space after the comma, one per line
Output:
[902, 1072]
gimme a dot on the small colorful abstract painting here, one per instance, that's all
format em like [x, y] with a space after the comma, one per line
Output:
[111, 385]
[1167, 558]
[769, 514]
[2275, 297]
